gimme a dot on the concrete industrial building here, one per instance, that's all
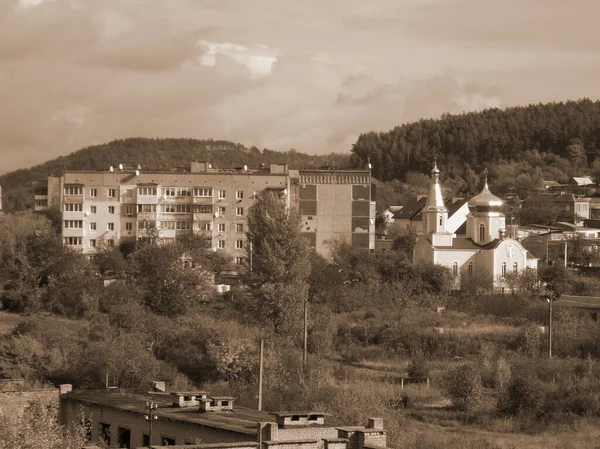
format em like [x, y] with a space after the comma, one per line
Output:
[118, 419]
[102, 208]
[484, 255]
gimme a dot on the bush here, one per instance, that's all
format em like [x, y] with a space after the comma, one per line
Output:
[417, 367]
[464, 387]
[524, 395]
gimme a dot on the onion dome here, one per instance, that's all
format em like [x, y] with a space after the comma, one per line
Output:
[486, 201]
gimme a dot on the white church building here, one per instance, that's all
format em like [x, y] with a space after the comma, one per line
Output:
[484, 255]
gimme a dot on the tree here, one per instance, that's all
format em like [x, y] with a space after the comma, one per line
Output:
[172, 277]
[280, 265]
[465, 387]
[557, 280]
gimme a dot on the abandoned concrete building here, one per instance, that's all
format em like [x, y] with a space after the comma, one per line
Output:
[124, 419]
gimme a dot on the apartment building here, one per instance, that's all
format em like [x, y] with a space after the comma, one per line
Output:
[103, 208]
[121, 418]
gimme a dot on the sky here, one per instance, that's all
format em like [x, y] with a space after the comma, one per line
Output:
[279, 74]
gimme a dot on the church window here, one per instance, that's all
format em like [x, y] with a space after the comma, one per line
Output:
[470, 269]
[515, 267]
[503, 269]
[441, 220]
[455, 269]
[481, 232]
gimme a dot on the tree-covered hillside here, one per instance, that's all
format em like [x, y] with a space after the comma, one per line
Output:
[560, 139]
[154, 154]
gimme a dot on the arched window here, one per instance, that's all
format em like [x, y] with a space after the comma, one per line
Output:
[470, 269]
[481, 232]
[515, 267]
[441, 222]
[503, 269]
[455, 269]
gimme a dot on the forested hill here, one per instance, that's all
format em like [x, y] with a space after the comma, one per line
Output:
[154, 153]
[476, 139]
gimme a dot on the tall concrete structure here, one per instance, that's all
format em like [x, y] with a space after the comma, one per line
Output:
[484, 255]
[103, 208]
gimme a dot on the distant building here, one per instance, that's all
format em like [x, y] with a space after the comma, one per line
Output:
[484, 255]
[116, 418]
[565, 207]
[410, 218]
[104, 208]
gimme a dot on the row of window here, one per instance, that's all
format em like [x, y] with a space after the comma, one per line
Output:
[470, 269]
[151, 208]
[201, 192]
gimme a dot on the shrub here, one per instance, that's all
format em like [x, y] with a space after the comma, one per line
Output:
[524, 395]
[465, 387]
[417, 367]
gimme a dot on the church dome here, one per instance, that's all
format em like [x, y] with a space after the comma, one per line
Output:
[486, 201]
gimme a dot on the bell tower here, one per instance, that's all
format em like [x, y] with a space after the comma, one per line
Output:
[485, 221]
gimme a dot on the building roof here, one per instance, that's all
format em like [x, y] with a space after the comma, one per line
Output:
[411, 209]
[582, 180]
[435, 201]
[240, 420]
[454, 207]
[299, 413]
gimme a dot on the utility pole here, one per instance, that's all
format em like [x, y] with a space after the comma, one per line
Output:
[565, 254]
[550, 300]
[305, 346]
[150, 415]
[260, 374]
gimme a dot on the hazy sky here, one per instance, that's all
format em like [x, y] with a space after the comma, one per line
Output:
[308, 74]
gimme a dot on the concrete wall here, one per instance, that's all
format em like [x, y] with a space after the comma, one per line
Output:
[13, 403]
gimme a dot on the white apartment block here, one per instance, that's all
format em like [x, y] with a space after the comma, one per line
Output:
[102, 208]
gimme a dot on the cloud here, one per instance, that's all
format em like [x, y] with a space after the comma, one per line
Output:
[311, 75]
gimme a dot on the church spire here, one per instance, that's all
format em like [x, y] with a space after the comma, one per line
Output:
[435, 201]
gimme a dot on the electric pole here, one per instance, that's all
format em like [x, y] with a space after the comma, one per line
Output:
[150, 416]
[305, 346]
[260, 374]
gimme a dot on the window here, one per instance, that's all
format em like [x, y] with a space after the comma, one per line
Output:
[221, 244]
[73, 241]
[73, 224]
[515, 267]
[124, 437]
[168, 191]
[221, 227]
[239, 244]
[105, 433]
[111, 193]
[206, 226]
[129, 209]
[41, 203]
[147, 191]
[202, 209]
[92, 243]
[111, 209]
[441, 220]
[111, 226]
[73, 190]
[220, 211]
[93, 226]
[177, 208]
[146, 208]
[239, 211]
[206, 192]
[239, 260]
[470, 269]
[93, 192]
[181, 225]
[167, 225]
[224, 403]
[166, 441]
[129, 226]
[73, 207]
[92, 209]
[481, 232]
[239, 227]
[145, 440]
[221, 194]
[110, 242]
[503, 269]
[295, 418]
[455, 269]
[239, 195]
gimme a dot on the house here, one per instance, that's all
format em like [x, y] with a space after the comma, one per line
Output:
[105, 208]
[117, 418]
[484, 255]
[565, 207]
[411, 216]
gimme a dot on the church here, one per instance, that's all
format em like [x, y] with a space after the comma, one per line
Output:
[484, 255]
